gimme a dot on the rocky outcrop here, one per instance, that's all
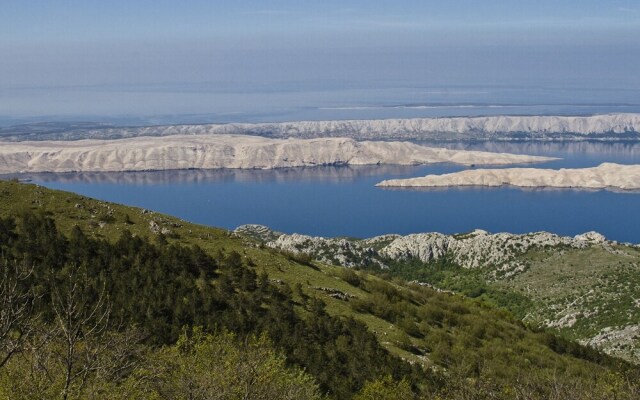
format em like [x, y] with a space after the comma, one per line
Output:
[337, 251]
[476, 249]
[618, 341]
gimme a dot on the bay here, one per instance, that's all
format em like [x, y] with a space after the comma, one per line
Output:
[343, 201]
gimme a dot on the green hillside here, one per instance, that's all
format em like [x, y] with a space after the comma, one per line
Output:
[585, 288]
[591, 295]
[121, 302]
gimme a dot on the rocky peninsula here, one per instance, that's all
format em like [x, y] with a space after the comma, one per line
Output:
[604, 176]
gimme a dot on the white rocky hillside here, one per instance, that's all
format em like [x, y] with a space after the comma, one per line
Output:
[472, 250]
[229, 151]
[449, 127]
[611, 126]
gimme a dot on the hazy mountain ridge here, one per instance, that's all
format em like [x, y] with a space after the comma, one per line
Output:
[605, 126]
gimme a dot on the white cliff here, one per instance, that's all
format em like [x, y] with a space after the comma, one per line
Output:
[227, 151]
[604, 176]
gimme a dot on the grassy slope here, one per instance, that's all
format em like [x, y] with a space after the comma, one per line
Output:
[583, 292]
[108, 220]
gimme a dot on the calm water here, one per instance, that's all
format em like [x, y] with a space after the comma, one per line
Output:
[309, 101]
[342, 201]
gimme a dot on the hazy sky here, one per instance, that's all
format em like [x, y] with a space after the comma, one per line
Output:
[153, 56]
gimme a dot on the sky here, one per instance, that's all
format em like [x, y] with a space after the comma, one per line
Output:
[144, 57]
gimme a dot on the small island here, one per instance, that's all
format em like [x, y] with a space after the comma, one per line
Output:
[604, 176]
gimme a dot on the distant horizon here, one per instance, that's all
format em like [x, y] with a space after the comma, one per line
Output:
[434, 111]
[279, 58]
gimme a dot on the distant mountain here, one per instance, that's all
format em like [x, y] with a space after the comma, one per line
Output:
[606, 126]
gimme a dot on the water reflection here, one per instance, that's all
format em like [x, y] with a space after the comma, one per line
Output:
[526, 189]
[337, 174]
[343, 201]
[570, 154]
[624, 149]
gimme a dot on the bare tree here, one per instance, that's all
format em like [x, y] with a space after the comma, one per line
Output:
[75, 352]
[16, 310]
[81, 317]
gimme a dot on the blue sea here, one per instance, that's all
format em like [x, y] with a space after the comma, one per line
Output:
[203, 103]
[343, 201]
